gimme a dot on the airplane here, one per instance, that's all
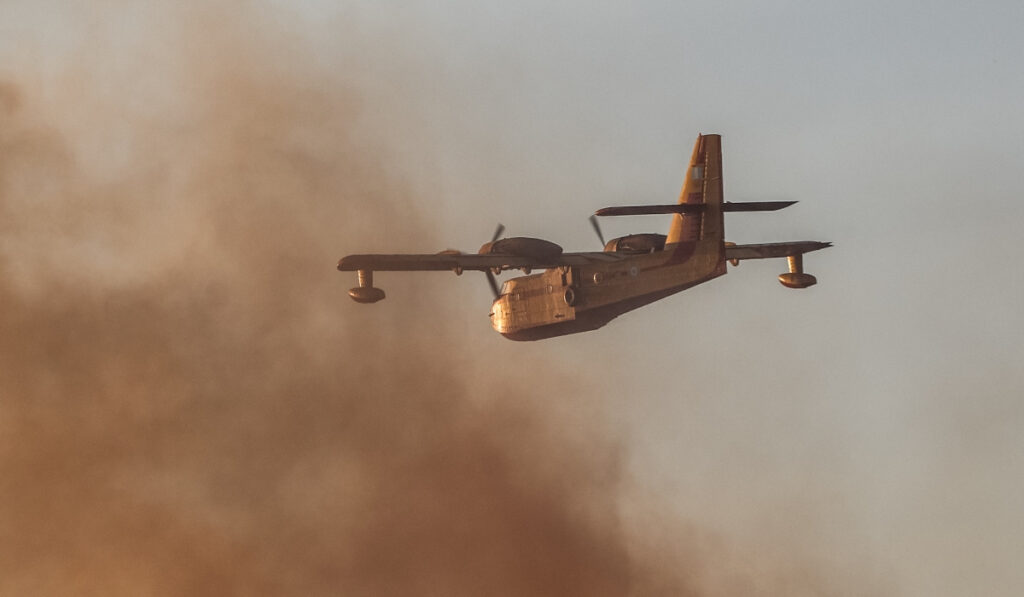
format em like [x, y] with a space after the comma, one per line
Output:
[580, 292]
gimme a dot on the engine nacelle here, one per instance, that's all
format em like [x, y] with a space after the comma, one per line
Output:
[520, 246]
[636, 243]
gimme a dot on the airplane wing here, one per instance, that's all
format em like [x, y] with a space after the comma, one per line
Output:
[773, 250]
[460, 261]
[469, 262]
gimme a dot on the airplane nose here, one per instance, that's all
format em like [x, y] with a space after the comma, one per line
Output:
[499, 314]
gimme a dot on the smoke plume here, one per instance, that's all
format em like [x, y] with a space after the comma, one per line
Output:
[187, 409]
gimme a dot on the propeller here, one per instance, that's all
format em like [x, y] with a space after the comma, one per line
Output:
[493, 283]
[597, 229]
[490, 276]
[498, 231]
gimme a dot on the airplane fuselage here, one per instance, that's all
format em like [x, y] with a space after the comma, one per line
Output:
[570, 299]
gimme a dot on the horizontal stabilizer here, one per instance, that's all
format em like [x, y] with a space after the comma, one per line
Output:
[773, 250]
[756, 205]
[690, 208]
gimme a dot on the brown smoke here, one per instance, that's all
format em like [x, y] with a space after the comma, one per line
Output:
[191, 406]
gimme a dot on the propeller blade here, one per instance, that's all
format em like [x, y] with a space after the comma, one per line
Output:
[493, 282]
[498, 231]
[490, 275]
[597, 229]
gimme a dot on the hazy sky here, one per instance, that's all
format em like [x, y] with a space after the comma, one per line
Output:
[872, 424]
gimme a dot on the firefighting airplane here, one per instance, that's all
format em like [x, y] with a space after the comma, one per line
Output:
[579, 292]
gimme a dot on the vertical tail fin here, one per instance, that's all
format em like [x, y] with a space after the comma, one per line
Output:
[703, 185]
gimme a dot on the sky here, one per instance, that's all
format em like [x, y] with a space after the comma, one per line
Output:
[858, 437]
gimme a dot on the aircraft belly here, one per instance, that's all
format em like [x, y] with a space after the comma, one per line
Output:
[592, 318]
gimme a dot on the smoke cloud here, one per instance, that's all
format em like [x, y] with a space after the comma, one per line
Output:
[186, 408]
[189, 407]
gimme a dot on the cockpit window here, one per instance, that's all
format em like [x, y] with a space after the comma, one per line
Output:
[506, 287]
